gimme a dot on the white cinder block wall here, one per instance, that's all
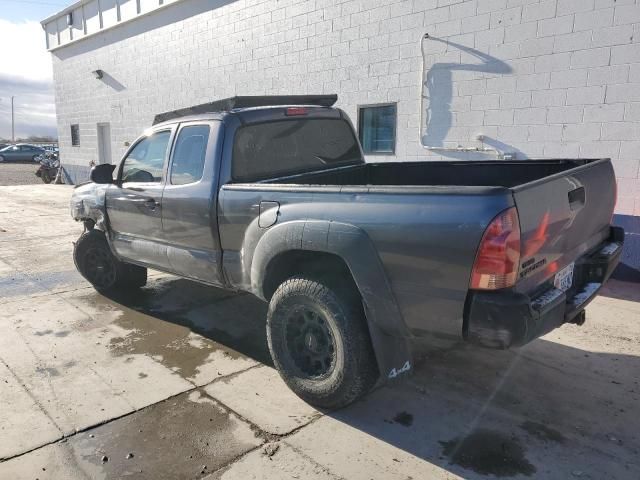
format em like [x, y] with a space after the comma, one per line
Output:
[536, 78]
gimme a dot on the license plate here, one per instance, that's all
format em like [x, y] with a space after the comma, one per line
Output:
[564, 278]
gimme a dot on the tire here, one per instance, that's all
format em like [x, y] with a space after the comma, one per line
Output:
[45, 176]
[35, 158]
[1, 159]
[319, 342]
[95, 262]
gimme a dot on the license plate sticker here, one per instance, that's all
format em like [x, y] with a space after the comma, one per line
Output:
[564, 278]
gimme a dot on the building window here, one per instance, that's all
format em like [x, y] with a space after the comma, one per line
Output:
[377, 129]
[75, 135]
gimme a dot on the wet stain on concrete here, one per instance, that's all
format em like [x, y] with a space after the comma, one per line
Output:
[489, 452]
[48, 371]
[188, 436]
[161, 320]
[30, 283]
[171, 344]
[404, 418]
[42, 333]
[60, 334]
[542, 432]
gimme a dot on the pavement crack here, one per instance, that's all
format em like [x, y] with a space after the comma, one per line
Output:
[34, 399]
[313, 462]
[64, 437]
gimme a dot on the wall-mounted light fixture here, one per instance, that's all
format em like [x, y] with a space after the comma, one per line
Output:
[98, 74]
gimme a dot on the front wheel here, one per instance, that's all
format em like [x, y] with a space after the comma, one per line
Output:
[96, 263]
[319, 342]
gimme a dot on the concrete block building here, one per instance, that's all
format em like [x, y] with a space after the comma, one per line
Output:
[455, 79]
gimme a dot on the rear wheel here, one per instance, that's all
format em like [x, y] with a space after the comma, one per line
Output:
[1, 159]
[96, 263]
[36, 158]
[319, 342]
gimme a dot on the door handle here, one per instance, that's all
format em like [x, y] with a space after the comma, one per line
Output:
[151, 204]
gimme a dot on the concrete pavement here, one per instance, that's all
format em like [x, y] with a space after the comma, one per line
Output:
[175, 381]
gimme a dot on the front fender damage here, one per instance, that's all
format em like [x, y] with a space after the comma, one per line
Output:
[88, 204]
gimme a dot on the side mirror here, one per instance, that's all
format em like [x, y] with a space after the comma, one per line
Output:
[102, 173]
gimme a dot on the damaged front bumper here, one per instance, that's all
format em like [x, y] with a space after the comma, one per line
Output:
[507, 318]
[88, 202]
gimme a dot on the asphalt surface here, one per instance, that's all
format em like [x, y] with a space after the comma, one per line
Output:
[14, 173]
[175, 381]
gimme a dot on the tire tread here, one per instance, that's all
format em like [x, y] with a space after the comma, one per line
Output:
[360, 372]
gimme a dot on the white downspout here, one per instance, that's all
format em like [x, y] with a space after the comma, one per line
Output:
[431, 148]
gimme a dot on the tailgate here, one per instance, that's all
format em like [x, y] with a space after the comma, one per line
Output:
[562, 217]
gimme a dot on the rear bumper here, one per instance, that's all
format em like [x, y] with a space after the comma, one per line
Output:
[507, 318]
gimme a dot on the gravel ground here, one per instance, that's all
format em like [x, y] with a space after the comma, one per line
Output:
[13, 173]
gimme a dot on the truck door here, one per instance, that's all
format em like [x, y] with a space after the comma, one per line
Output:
[134, 203]
[189, 202]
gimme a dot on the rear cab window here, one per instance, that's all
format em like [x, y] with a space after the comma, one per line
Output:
[286, 147]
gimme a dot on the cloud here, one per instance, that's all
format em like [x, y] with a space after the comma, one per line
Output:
[26, 73]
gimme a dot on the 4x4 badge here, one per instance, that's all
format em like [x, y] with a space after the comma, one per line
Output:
[405, 368]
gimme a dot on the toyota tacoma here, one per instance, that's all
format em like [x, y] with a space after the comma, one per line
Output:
[272, 195]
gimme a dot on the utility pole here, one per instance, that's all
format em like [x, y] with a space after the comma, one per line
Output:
[13, 131]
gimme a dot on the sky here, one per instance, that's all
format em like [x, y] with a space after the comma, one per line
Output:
[25, 67]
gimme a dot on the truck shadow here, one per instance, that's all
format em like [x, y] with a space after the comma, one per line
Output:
[531, 412]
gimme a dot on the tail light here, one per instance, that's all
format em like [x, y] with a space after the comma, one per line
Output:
[498, 257]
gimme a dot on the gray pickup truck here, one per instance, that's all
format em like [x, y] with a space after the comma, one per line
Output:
[271, 195]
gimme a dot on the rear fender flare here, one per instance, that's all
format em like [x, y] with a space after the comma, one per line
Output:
[389, 334]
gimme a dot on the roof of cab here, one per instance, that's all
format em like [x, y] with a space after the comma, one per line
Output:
[217, 109]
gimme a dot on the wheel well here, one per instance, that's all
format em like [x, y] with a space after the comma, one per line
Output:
[318, 265]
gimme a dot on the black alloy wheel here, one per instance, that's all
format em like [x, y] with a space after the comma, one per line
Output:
[310, 342]
[100, 268]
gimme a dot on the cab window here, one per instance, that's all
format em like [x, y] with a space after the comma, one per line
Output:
[146, 161]
[187, 165]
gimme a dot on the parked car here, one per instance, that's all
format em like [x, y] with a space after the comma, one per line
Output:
[21, 152]
[271, 195]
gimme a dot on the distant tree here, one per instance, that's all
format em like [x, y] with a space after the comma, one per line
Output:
[38, 139]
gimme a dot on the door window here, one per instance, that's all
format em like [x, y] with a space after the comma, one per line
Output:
[146, 161]
[188, 158]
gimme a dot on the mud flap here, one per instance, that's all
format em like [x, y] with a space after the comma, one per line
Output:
[393, 354]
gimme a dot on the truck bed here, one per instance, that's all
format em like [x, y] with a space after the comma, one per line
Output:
[426, 220]
[507, 174]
